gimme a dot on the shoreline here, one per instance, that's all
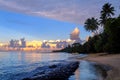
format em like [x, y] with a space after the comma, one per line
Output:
[111, 60]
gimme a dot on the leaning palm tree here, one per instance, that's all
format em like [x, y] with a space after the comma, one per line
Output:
[91, 25]
[106, 13]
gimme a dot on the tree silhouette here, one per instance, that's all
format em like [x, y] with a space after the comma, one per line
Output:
[91, 24]
[106, 13]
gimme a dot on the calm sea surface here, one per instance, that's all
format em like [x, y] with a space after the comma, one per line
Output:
[14, 64]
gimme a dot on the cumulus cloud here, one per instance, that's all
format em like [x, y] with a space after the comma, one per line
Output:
[76, 11]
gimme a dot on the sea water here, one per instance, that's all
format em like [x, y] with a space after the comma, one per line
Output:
[13, 65]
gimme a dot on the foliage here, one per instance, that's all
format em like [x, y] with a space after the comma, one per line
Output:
[101, 41]
[74, 48]
[89, 46]
[108, 41]
[91, 24]
[106, 13]
[113, 30]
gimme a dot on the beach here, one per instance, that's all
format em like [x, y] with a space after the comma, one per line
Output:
[107, 59]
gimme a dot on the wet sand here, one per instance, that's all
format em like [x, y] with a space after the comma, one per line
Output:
[106, 59]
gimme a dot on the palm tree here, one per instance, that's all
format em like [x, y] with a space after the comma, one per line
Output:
[119, 16]
[91, 24]
[106, 13]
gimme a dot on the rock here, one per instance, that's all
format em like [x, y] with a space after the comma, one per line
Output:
[60, 71]
[53, 66]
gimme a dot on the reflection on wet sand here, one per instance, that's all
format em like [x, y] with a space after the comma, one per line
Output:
[87, 71]
[77, 74]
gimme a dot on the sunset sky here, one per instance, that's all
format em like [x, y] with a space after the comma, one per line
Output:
[47, 19]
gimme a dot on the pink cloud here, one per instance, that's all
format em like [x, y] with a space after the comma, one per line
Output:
[75, 11]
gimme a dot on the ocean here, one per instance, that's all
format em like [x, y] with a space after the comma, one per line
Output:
[14, 65]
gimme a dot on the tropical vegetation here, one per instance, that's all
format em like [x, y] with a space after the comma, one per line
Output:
[107, 41]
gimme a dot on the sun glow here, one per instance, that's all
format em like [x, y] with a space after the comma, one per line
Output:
[33, 43]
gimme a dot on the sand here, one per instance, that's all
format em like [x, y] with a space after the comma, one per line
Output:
[106, 59]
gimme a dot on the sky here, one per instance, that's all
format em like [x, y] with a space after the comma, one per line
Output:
[47, 19]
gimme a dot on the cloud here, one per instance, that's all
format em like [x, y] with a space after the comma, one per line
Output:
[11, 5]
[76, 11]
